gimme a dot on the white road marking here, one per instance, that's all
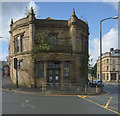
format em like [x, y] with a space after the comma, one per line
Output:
[27, 101]
[27, 104]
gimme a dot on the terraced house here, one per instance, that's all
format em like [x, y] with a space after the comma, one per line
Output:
[110, 66]
[49, 50]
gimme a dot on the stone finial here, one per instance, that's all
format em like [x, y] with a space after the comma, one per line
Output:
[11, 21]
[73, 13]
[31, 10]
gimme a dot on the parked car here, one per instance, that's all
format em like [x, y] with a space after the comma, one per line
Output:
[92, 83]
[98, 82]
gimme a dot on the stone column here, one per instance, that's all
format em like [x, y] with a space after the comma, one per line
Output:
[62, 73]
[31, 28]
[45, 72]
[73, 38]
[117, 77]
[20, 43]
[31, 18]
[11, 44]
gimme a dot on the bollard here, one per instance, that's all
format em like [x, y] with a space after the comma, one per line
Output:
[85, 88]
[98, 89]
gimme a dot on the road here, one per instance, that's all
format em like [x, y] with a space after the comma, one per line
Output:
[14, 103]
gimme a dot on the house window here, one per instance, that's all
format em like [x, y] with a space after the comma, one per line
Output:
[113, 61]
[107, 60]
[107, 67]
[22, 43]
[52, 39]
[107, 76]
[40, 69]
[113, 76]
[15, 45]
[66, 69]
[18, 43]
[98, 76]
[53, 65]
[21, 65]
[113, 67]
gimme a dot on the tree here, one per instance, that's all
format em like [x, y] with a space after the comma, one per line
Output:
[27, 11]
[84, 18]
[43, 42]
[95, 70]
[84, 61]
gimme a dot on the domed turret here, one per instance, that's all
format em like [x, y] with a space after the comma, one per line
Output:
[73, 19]
[72, 23]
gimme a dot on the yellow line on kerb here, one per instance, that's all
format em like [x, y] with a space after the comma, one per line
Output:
[108, 102]
[98, 104]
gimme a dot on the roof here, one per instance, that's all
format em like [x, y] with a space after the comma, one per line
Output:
[114, 53]
[49, 18]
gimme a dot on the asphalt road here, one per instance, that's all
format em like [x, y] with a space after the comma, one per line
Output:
[14, 103]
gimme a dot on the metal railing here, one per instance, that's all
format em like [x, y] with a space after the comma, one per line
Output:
[69, 88]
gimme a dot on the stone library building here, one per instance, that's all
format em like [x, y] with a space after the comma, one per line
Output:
[49, 51]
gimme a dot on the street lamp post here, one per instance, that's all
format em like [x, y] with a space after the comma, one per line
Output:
[101, 46]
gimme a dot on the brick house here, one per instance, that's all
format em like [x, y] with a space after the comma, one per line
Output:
[64, 63]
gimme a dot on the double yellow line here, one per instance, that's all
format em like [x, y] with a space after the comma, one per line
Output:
[105, 107]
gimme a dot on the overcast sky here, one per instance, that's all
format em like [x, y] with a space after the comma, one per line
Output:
[92, 11]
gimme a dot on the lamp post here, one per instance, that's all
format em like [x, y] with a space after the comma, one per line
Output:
[101, 46]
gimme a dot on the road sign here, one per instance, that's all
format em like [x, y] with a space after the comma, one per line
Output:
[15, 63]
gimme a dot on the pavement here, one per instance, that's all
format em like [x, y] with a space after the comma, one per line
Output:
[33, 101]
[7, 85]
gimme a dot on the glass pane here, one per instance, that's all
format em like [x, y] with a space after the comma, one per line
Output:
[53, 65]
[40, 69]
[56, 78]
[21, 65]
[113, 61]
[56, 72]
[66, 69]
[50, 78]
[17, 45]
[50, 72]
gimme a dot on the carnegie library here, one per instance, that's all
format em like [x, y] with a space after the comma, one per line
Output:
[49, 50]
